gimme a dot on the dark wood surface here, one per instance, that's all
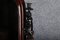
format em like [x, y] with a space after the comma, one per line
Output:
[8, 19]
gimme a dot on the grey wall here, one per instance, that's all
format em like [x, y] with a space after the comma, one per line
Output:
[46, 19]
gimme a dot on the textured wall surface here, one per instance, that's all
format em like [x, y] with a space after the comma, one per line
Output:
[46, 19]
